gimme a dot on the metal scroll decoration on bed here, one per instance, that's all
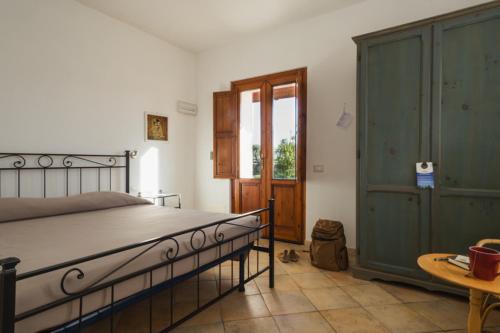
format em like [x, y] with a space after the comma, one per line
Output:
[241, 247]
[43, 174]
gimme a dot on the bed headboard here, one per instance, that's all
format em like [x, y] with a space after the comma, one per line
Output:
[43, 174]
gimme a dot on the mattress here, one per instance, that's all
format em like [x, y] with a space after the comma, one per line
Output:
[47, 241]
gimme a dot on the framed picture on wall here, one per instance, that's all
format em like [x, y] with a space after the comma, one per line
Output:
[156, 127]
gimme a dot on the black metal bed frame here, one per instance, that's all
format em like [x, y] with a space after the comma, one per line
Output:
[171, 254]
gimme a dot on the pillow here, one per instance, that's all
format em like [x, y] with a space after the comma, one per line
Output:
[15, 209]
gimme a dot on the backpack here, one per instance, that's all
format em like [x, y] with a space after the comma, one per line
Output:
[328, 250]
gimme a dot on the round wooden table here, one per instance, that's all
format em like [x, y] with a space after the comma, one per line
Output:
[479, 290]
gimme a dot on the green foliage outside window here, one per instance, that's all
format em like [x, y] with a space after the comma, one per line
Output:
[256, 161]
[284, 160]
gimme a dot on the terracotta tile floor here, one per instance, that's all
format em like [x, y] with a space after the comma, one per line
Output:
[305, 300]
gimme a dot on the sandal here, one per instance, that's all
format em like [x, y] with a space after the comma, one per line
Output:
[284, 257]
[293, 256]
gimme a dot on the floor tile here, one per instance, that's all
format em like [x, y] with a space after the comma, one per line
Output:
[281, 283]
[329, 298]
[493, 319]
[211, 328]
[237, 306]
[399, 318]
[278, 270]
[211, 315]
[286, 302]
[312, 280]
[451, 313]
[409, 294]
[446, 314]
[250, 287]
[345, 278]
[302, 266]
[353, 320]
[161, 313]
[493, 330]
[134, 318]
[188, 292]
[225, 272]
[345, 304]
[265, 324]
[207, 275]
[369, 294]
[311, 322]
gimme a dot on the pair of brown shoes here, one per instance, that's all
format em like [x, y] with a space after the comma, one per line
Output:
[286, 256]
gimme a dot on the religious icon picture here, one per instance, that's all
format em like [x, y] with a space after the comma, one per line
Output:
[156, 127]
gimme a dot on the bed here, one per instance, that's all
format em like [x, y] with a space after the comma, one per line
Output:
[71, 261]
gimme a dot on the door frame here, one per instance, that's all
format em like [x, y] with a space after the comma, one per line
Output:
[266, 82]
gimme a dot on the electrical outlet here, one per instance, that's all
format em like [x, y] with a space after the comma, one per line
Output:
[318, 168]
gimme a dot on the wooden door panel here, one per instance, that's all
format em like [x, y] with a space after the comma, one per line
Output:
[466, 202]
[469, 220]
[225, 135]
[225, 114]
[287, 218]
[250, 196]
[394, 135]
[393, 118]
[470, 111]
[391, 241]
[225, 166]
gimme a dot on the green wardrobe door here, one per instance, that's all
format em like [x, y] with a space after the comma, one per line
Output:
[394, 122]
[466, 204]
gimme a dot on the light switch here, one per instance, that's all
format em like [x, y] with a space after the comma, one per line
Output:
[211, 156]
[318, 168]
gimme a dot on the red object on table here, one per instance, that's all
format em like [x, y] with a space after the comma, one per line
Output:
[484, 262]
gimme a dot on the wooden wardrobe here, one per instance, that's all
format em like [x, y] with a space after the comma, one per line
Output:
[428, 91]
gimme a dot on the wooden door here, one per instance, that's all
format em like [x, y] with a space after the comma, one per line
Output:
[248, 188]
[225, 134]
[271, 159]
[394, 135]
[466, 131]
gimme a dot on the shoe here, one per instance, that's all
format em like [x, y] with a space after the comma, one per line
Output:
[284, 257]
[293, 256]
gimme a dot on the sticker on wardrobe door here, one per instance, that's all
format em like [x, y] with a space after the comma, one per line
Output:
[425, 175]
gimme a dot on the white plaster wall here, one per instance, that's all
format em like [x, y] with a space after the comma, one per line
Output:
[73, 80]
[324, 45]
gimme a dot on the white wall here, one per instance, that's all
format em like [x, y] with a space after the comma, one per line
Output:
[324, 45]
[73, 80]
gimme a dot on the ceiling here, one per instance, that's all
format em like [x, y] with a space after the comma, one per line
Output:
[197, 25]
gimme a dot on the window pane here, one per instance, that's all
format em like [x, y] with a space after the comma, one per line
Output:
[285, 131]
[250, 143]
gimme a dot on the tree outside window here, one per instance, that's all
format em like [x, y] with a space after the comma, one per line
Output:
[256, 161]
[284, 160]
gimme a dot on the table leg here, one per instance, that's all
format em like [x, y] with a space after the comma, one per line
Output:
[474, 323]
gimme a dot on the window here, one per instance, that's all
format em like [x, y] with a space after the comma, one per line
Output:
[250, 140]
[285, 131]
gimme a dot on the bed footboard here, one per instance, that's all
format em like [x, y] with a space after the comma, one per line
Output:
[271, 243]
[251, 236]
[8, 294]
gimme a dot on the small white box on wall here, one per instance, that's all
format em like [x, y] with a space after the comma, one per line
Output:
[187, 108]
